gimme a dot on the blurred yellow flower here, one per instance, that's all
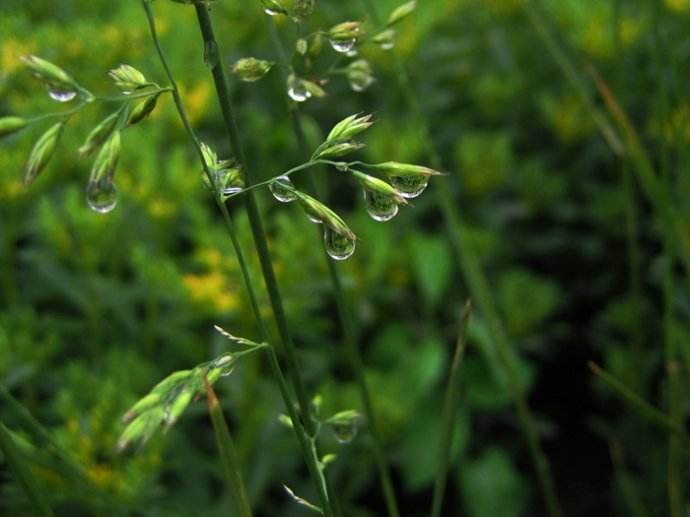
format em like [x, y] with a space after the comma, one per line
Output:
[12, 51]
[197, 99]
[677, 5]
[211, 289]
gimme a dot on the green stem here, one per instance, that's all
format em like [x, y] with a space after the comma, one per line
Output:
[643, 408]
[347, 322]
[21, 471]
[301, 431]
[450, 408]
[226, 448]
[675, 463]
[255, 221]
[479, 288]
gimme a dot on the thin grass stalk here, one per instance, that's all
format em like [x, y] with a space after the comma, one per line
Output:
[643, 408]
[479, 289]
[226, 448]
[675, 463]
[574, 77]
[306, 442]
[450, 411]
[347, 322]
[22, 473]
[40, 435]
[628, 488]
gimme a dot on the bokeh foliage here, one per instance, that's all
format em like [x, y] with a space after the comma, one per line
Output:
[94, 309]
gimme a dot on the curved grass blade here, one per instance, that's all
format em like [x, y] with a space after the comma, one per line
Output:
[22, 473]
[450, 410]
[228, 455]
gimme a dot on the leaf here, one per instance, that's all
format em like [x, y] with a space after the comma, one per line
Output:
[492, 486]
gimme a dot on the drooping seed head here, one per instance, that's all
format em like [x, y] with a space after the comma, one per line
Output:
[317, 210]
[401, 12]
[99, 134]
[42, 152]
[10, 125]
[379, 186]
[345, 31]
[250, 69]
[143, 109]
[52, 75]
[127, 78]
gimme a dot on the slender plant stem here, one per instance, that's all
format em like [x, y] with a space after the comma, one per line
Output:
[450, 408]
[255, 222]
[311, 458]
[640, 405]
[22, 473]
[675, 464]
[347, 323]
[479, 288]
[226, 448]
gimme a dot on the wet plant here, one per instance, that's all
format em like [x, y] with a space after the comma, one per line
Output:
[385, 187]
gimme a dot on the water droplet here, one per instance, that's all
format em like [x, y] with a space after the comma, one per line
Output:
[339, 246]
[380, 207]
[345, 432]
[410, 186]
[271, 12]
[359, 83]
[62, 95]
[231, 191]
[314, 219]
[101, 195]
[388, 45]
[297, 90]
[283, 189]
[343, 46]
[211, 54]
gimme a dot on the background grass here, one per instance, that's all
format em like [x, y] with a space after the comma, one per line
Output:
[95, 309]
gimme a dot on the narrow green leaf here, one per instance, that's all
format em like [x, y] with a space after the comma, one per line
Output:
[450, 410]
[228, 455]
[22, 473]
[641, 406]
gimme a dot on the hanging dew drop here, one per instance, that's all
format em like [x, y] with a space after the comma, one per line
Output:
[61, 95]
[271, 12]
[314, 219]
[101, 195]
[410, 186]
[345, 432]
[380, 207]
[231, 191]
[297, 90]
[339, 246]
[343, 46]
[360, 83]
[283, 189]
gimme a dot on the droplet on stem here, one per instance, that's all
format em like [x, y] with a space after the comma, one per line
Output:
[339, 246]
[101, 195]
[410, 186]
[380, 207]
[283, 189]
[343, 46]
[345, 432]
[297, 89]
[62, 95]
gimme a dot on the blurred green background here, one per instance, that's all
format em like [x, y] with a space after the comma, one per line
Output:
[95, 309]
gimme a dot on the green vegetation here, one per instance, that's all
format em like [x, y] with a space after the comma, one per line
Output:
[489, 317]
